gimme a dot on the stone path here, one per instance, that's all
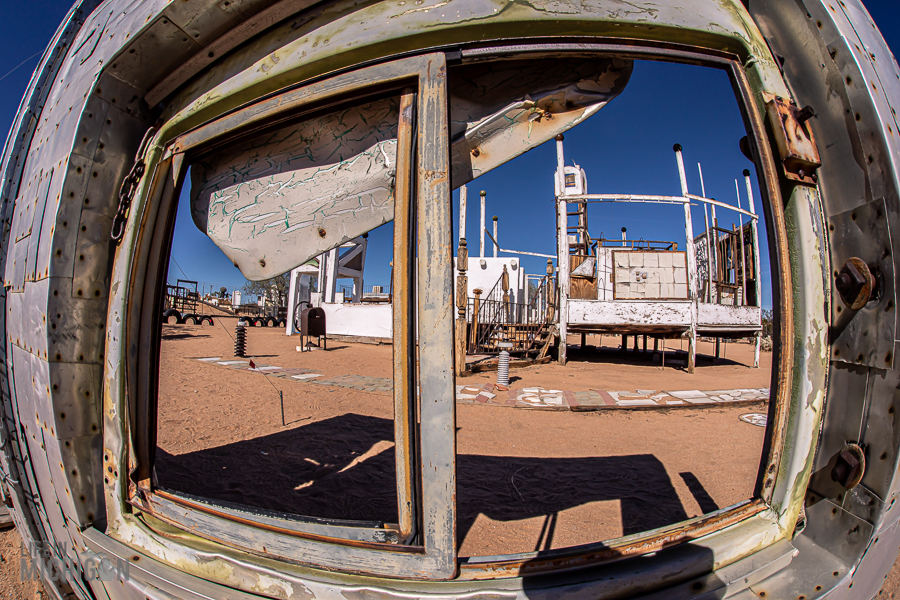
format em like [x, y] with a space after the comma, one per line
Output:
[530, 397]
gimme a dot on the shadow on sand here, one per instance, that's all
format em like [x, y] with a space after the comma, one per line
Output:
[343, 468]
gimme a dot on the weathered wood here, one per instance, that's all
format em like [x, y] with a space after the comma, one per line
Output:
[460, 349]
[666, 314]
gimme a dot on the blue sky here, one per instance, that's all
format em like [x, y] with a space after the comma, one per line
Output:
[626, 148]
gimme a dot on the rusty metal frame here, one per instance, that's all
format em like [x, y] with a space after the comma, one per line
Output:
[364, 557]
[579, 557]
[423, 544]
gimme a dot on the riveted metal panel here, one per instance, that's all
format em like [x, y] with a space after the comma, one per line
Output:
[76, 389]
[868, 577]
[37, 461]
[64, 230]
[119, 138]
[865, 336]
[26, 314]
[148, 57]
[842, 534]
[123, 96]
[42, 238]
[87, 136]
[15, 268]
[79, 325]
[863, 503]
[845, 407]
[881, 433]
[78, 487]
[34, 239]
[204, 21]
[812, 572]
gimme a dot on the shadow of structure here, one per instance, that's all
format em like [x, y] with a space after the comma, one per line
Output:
[343, 468]
[674, 357]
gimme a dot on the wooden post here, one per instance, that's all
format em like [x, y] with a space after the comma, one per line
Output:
[583, 341]
[718, 346]
[624, 343]
[476, 304]
[462, 300]
[635, 348]
[645, 344]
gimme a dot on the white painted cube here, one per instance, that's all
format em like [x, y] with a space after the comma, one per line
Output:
[680, 275]
[651, 259]
[680, 290]
[665, 259]
[636, 259]
[621, 259]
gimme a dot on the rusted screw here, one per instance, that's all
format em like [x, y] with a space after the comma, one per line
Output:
[849, 467]
[855, 283]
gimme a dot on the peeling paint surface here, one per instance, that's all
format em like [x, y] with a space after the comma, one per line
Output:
[281, 198]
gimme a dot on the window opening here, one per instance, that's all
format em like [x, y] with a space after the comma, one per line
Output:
[637, 431]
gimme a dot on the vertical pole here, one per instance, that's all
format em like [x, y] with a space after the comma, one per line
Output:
[624, 343]
[463, 199]
[483, 194]
[562, 250]
[583, 341]
[476, 306]
[711, 245]
[645, 344]
[757, 274]
[691, 261]
[292, 301]
[462, 301]
[624, 242]
[708, 254]
[496, 239]
[332, 274]
[743, 253]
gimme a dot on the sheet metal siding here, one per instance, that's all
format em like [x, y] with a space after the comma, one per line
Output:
[837, 62]
[70, 146]
[332, 42]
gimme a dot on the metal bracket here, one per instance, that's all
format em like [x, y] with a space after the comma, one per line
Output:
[864, 336]
[795, 140]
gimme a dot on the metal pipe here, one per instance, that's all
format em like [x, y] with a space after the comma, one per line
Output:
[715, 202]
[562, 251]
[654, 198]
[519, 251]
[737, 189]
[624, 242]
[710, 257]
[463, 197]
[483, 194]
[691, 261]
[756, 264]
[494, 238]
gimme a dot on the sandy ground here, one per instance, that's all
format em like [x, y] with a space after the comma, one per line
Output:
[526, 479]
[11, 585]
